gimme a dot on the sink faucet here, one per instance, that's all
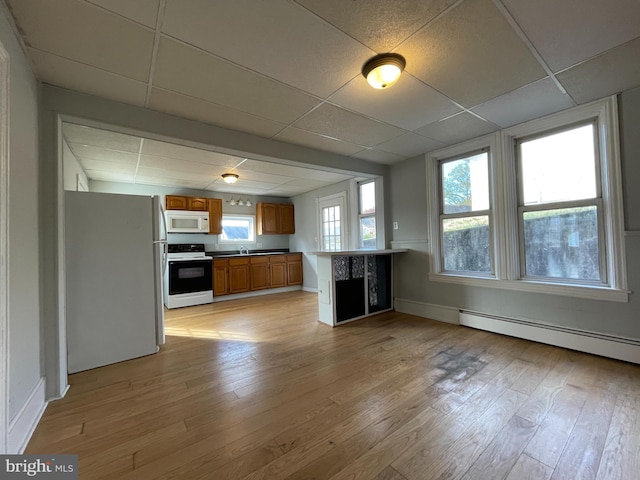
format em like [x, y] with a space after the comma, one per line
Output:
[243, 250]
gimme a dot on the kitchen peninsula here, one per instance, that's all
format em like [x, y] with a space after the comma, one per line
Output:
[353, 284]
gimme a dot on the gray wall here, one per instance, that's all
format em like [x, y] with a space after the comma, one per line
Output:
[71, 168]
[25, 361]
[408, 208]
[210, 241]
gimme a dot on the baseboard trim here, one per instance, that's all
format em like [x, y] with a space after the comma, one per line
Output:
[427, 310]
[611, 346]
[310, 289]
[25, 422]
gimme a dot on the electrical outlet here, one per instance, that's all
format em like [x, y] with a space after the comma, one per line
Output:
[395, 225]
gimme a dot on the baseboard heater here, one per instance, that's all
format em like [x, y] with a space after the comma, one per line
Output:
[611, 346]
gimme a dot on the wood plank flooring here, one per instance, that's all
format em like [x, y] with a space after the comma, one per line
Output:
[259, 389]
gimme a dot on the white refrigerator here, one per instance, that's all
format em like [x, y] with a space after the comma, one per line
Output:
[114, 258]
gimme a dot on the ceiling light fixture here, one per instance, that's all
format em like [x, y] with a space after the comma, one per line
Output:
[383, 70]
[230, 177]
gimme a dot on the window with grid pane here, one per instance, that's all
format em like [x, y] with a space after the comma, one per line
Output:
[560, 205]
[331, 239]
[367, 214]
[465, 214]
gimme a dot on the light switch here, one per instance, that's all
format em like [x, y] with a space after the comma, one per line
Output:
[395, 225]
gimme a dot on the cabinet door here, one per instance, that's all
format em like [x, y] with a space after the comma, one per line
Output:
[239, 275]
[197, 203]
[215, 216]
[287, 222]
[294, 269]
[278, 271]
[267, 218]
[220, 278]
[259, 273]
[175, 202]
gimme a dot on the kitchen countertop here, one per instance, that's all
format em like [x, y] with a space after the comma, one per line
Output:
[251, 253]
[350, 253]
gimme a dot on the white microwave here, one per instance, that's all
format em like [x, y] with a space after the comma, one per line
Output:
[184, 221]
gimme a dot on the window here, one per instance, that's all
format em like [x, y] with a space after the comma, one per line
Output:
[332, 222]
[238, 228]
[367, 214]
[536, 207]
[465, 214]
[560, 219]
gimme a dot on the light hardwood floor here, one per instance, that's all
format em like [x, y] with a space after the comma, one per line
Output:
[258, 389]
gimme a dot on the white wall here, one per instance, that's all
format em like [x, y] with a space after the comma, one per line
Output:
[211, 241]
[25, 359]
[72, 170]
[408, 207]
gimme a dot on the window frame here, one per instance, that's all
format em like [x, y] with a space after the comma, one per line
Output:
[506, 202]
[366, 215]
[596, 202]
[252, 229]
[472, 213]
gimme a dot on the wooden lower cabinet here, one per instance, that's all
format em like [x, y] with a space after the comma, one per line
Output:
[259, 272]
[220, 277]
[278, 271]
[294, 269]
[239, 281]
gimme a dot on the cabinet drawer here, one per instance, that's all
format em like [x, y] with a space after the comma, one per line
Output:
[259, 260]
[238, 261]
[296, 257]
[221, 262]
[277, 258]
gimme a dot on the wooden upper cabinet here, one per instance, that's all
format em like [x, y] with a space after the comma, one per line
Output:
[267, 217]
[198, 203]
[215, 216]
[275, 218]
[176, 202]
[287, 222]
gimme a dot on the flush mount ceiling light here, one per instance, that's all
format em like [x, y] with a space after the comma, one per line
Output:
[230, 177]
[383, 70]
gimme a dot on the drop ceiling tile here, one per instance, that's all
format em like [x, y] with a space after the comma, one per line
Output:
[174, 164]
[201, 110]
[312, 140]
[141, 11]
[286, 192]
[103, 165]
[471, 54]
[182, 152]
[234, 190]
[261, 176]
[100, 138]
[109, 176]
[609, 73]
[84, 78]
[277, 38]
[87, 34]
[409, 104]
[329, 177]
[218, 81]
[344, 125]
[171, 182]
[458, 128]
[176, 174]
[275, 168]
[378, 156]
[306, 183]
[568, 32]
[379, 24]
[98, 153]
[410, 145]
[243, 184]
[526, 103]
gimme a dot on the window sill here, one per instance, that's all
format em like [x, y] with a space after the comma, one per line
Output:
[567, 290]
